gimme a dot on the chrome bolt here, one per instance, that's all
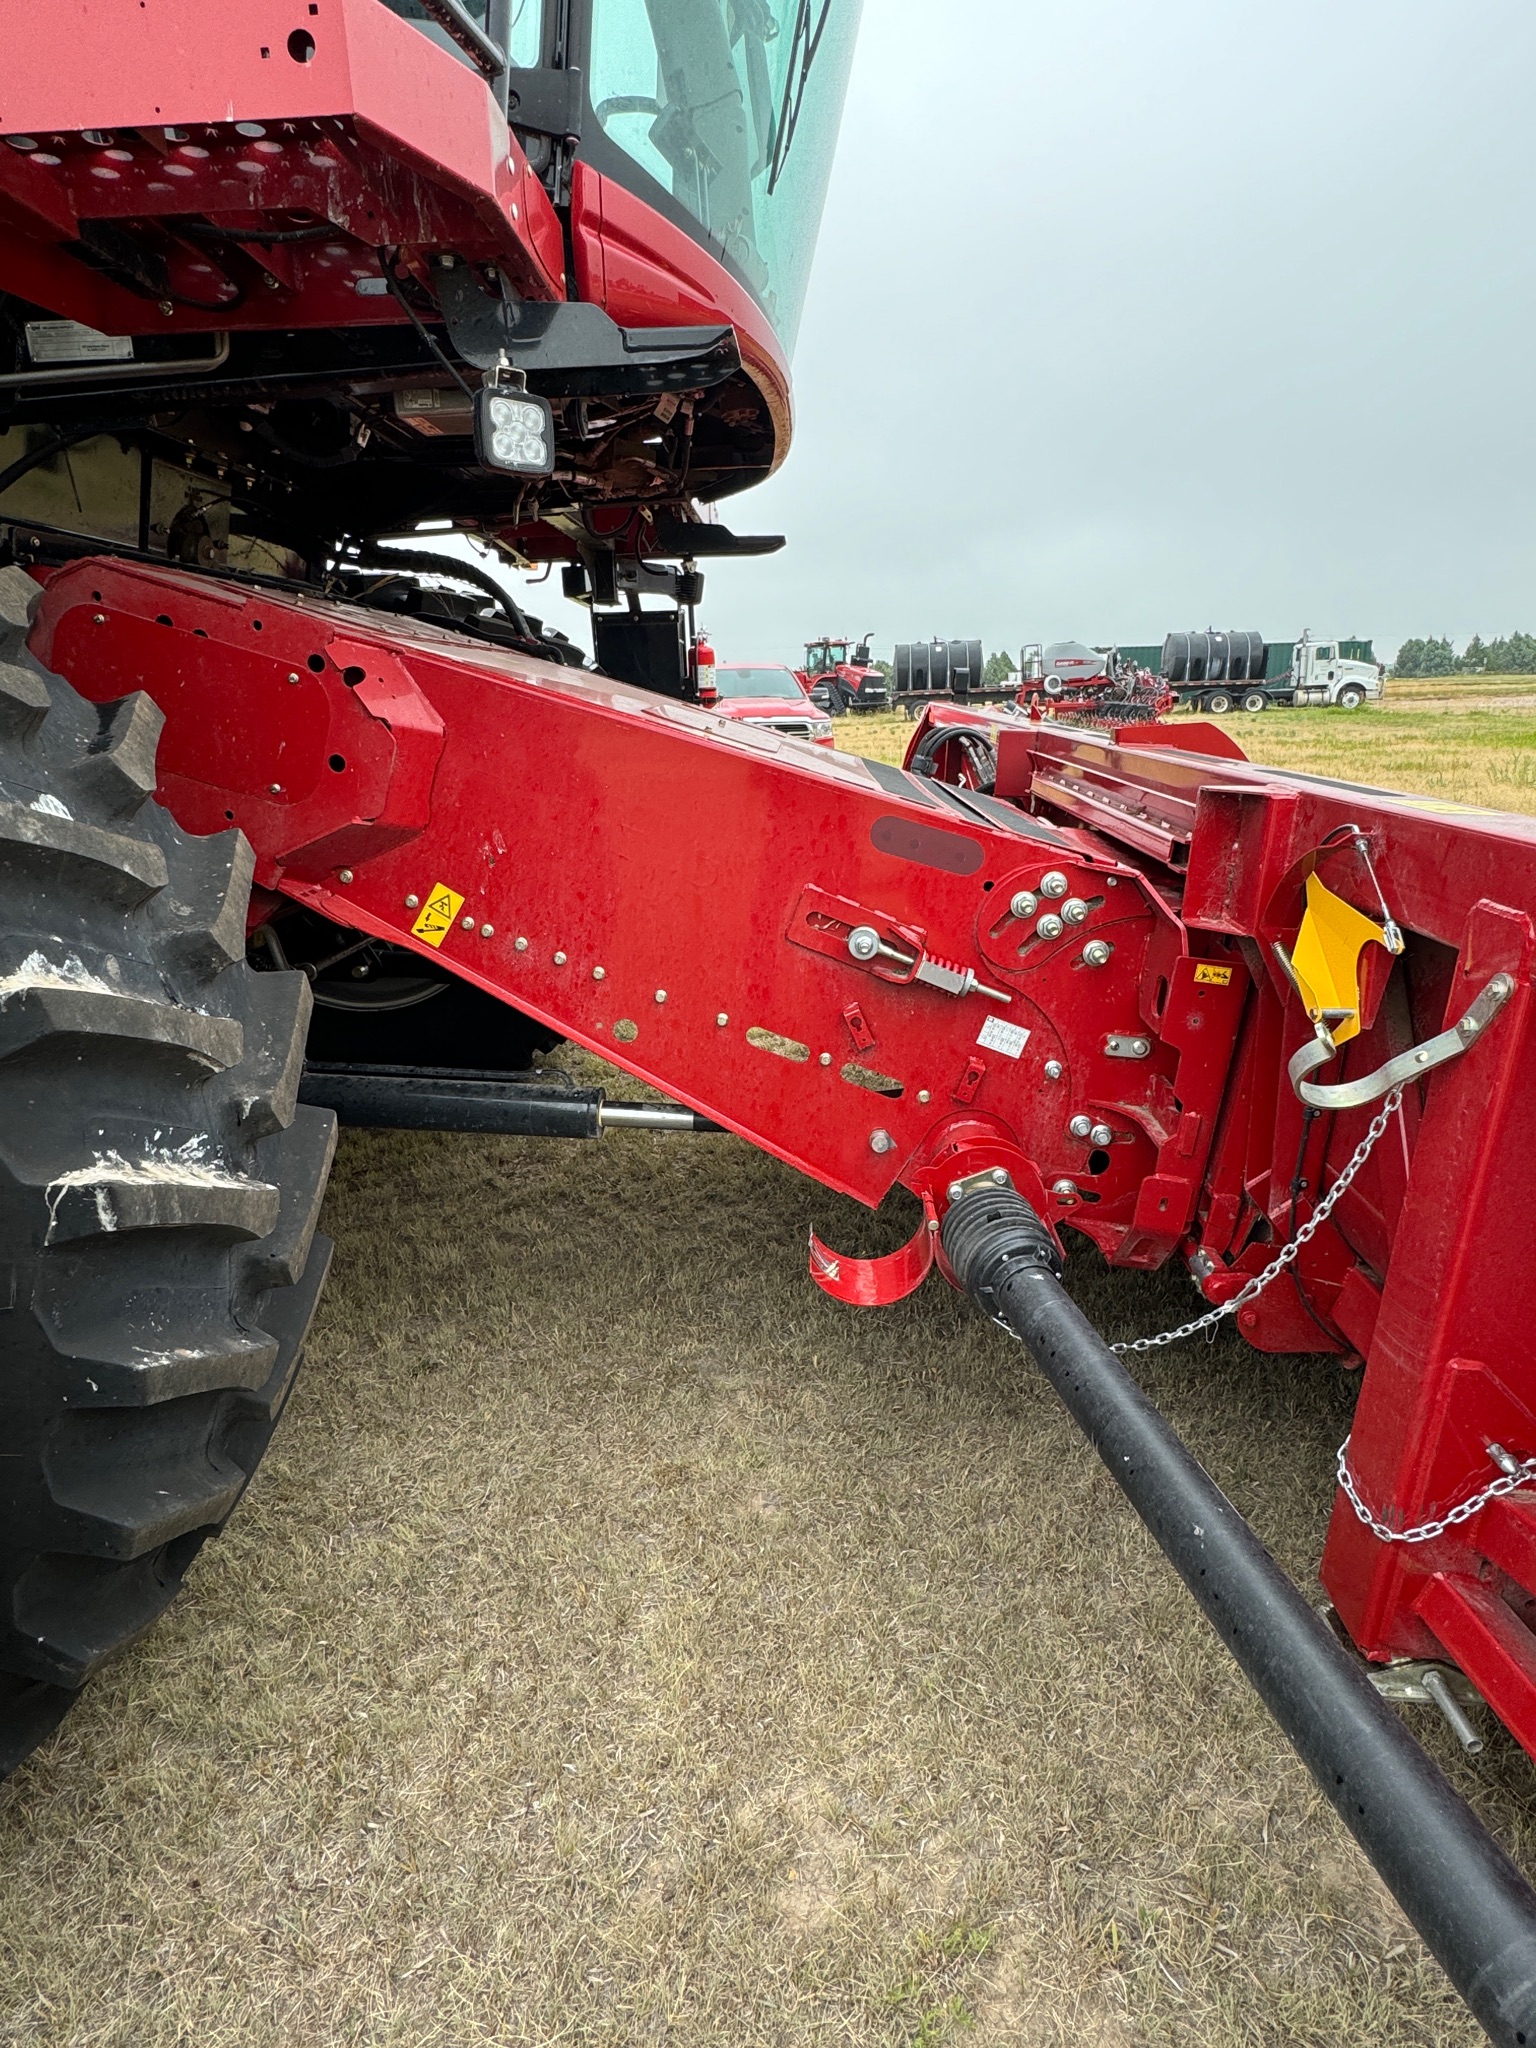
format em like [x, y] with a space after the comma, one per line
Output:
[953, 1192]
[1074, 910]
[1052, 1070]
[345, 875]
[293, 675]
[1050, 926]
[98, 618]
[1025, 904]
[413, 902]
[999, 1177]
[1053, 884]
[1064, 1190]
[722, 1020]
[1102, 1135]
[487, 931]
[661, 995]
[881, 1141]
[826, 1059]
[1096, 953]
[1080, 1127]
[274, 789]
[519, 945]
[864, 942]
[923, 1095]
[599, 974]
[468, 923]
[559, 959]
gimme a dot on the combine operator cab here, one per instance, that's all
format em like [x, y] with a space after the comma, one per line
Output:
[268, 294]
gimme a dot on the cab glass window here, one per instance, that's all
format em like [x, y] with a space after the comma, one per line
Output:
[732, 106]
[756, 682]
[525, 38]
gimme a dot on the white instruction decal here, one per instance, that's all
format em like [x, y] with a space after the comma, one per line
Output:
[998, 1035]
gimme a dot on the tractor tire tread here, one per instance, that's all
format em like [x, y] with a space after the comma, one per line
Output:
[159, 1186]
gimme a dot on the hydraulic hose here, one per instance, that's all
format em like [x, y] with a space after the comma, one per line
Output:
[1473, 1908]
[67, 437]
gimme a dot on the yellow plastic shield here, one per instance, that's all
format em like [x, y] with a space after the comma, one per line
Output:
[1326, 961]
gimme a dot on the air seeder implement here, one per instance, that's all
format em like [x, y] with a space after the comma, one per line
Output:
[282, 280]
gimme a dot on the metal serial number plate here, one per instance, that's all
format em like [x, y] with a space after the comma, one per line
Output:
[67, 341]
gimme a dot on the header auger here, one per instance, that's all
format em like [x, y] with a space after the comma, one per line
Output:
[261, 779]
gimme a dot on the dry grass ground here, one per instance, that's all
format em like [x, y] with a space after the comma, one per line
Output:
[622, 1643]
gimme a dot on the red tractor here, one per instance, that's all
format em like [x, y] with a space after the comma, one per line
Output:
[280, 842]
[841, 681]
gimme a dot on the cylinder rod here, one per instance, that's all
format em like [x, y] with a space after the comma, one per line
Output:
[1474, 1909]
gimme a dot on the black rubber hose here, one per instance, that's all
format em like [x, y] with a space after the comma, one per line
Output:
[979, 749]
[422, 562]
[54, 445]
[204, 231]
[1474, 1909]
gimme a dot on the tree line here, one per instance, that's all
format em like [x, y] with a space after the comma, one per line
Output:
[1514, 656]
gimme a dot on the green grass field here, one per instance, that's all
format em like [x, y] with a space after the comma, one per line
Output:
[622, 1643]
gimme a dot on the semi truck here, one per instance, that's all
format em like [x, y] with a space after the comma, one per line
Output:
[1225, 672]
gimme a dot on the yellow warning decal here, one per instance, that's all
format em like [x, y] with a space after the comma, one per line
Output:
[1213, 977]
[438, 913]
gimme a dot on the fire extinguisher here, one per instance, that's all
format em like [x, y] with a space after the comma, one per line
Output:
[704, 672]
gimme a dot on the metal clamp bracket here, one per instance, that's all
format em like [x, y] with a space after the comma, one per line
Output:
[1404, 1066]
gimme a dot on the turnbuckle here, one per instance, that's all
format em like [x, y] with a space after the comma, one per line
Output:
[865, 944]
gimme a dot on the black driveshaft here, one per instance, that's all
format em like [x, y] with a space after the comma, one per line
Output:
[1473, 1908]
[458, 1099]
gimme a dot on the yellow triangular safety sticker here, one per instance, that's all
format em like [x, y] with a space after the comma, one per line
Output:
[436, 920]
[1327, 957]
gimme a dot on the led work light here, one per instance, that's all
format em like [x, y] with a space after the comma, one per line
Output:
[514, 430]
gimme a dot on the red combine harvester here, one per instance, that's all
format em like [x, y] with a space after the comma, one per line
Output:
[281, 280]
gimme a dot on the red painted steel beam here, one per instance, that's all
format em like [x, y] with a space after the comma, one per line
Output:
[653, 861]
[1506, 1536]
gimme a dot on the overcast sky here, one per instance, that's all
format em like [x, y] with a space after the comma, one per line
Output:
[1130, 318]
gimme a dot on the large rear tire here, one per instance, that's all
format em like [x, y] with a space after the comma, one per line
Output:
[158, 1186]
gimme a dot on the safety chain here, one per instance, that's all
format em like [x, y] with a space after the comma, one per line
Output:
[1517, 1472]
[1289, 1252]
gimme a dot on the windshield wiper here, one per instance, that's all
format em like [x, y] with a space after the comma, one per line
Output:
[803, 45]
